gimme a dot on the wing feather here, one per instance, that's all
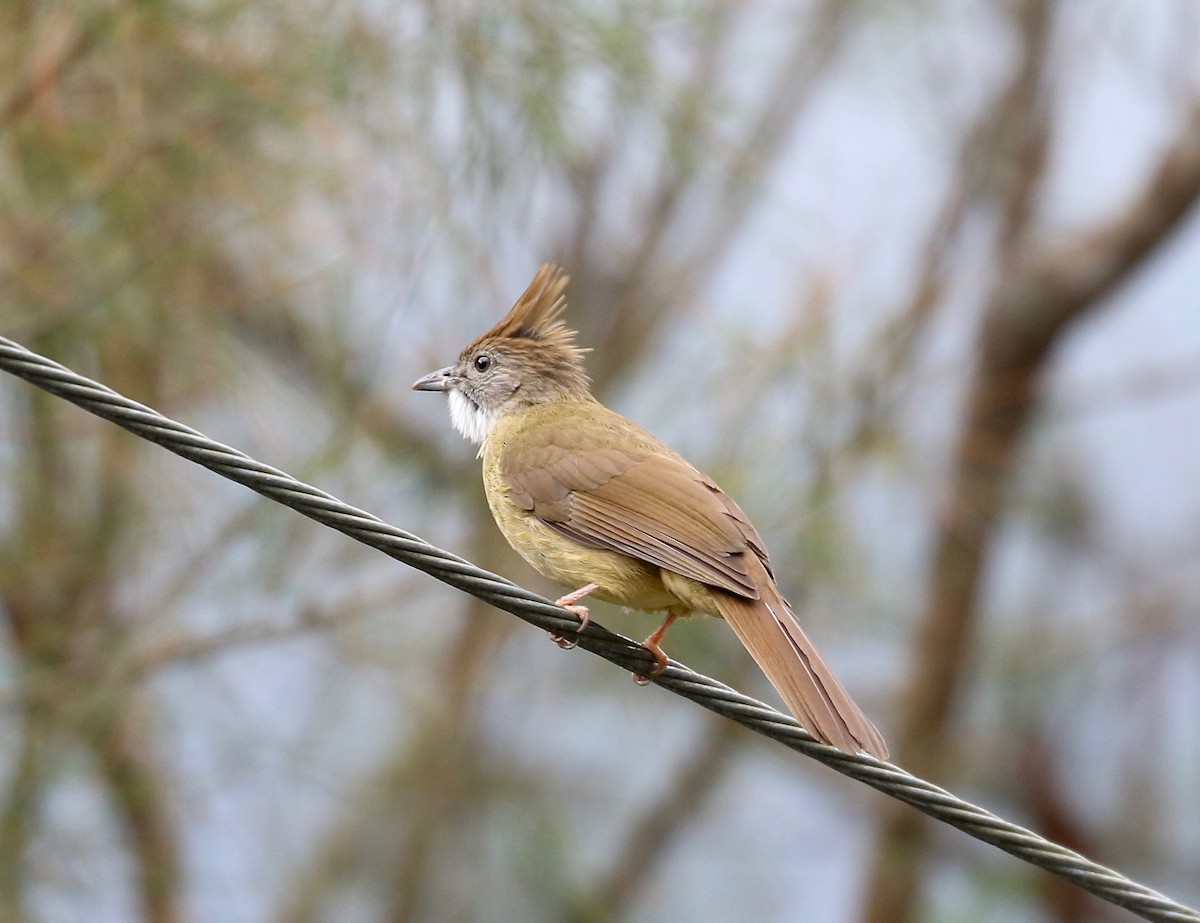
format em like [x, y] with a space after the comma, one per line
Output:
[648, 505]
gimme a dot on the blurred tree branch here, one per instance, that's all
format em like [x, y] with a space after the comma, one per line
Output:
[65, 624]
[141, 794]
[60, 40]
[1040, 292]
[651, 836]
[1057, 820]
[625, 306]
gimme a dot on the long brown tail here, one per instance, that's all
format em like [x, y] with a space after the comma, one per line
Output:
[769, 631]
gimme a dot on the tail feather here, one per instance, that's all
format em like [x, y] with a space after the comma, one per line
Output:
[769, 631]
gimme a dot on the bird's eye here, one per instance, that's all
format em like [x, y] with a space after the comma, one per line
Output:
[483, 363]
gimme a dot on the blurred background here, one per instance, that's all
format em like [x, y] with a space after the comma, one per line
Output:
[915, 280]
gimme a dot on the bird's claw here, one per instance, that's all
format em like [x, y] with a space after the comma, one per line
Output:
[565, 643]
[580, 612]
[661, 660]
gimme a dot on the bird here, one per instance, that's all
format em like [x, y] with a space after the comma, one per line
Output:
[594, 502]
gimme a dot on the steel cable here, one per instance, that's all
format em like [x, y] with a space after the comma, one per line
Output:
[626, 653]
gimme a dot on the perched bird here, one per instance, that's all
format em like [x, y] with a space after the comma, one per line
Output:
[596, 503]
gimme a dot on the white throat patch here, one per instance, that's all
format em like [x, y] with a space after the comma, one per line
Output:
[467, 416]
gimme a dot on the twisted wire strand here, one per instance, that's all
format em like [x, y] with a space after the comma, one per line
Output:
[624, 652]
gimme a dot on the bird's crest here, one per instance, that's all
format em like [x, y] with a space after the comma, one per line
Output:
[536, 317]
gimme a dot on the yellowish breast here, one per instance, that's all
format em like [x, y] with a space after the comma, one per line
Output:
[622, 580]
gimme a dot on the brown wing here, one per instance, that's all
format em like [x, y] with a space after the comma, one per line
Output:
[648, 505]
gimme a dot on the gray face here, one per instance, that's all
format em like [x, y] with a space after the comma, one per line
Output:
[481, 387]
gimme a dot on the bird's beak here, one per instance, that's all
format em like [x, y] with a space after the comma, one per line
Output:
[434, 381]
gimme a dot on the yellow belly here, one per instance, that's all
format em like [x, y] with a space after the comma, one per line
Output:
[622, 580]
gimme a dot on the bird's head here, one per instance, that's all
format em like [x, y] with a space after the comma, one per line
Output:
[530, 357]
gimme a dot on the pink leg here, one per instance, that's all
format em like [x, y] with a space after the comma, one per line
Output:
[653, 645]
[581, 612]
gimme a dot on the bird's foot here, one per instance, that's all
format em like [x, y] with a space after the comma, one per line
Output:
[584, 616]
[568, 602]
[653, 645]
[661, 661]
